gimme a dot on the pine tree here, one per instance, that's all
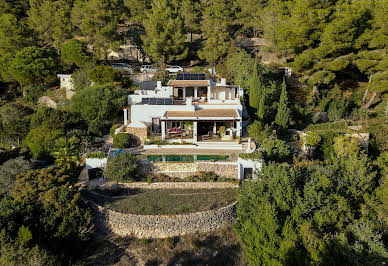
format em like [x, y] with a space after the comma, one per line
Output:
[98, 22]
[283, 113]
[250, 15]
[52, 20]
[190, 12]
[165, 36]
[216, 29]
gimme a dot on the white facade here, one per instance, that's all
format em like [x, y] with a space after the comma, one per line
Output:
[67, 84]
[188, 98]
[244, 164]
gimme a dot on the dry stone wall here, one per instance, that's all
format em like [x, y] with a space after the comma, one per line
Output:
[174, 169]
[162, 226]
[168, 185]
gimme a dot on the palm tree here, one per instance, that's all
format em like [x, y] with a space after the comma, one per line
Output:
[66, 152]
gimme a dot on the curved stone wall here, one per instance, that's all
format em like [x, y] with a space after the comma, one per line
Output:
[168, 185]
[161, 226]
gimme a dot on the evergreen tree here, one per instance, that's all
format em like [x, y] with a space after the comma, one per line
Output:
[373, 58]
[14, 34]
[74, 52]
[283, 113]
[165, 36]
[217, 28]
[191, 12]
[138, 9]
[250, 15]
[254, 88]
[52, 20]
[31, 65]
[98, 21]
[15, 7]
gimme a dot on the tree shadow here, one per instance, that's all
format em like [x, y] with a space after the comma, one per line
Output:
[210, 252]
[104, 248]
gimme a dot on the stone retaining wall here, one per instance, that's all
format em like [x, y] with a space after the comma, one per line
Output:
[169, 185]
[175, 169]
[162, 226]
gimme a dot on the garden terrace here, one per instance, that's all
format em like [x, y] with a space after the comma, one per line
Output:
[159, 201]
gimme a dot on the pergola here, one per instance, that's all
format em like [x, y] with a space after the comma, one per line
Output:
[202, 115]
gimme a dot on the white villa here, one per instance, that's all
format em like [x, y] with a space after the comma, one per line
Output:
[189, 109]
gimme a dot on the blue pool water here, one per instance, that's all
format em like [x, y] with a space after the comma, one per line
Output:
[187, 158]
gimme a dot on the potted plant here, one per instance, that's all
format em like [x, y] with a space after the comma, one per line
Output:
[189, 126]
[222, 131]
[238, 139]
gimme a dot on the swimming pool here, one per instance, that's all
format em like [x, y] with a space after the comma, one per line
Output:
[186, 158]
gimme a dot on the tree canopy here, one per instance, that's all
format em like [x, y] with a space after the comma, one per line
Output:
[165, 33]
[98, 105]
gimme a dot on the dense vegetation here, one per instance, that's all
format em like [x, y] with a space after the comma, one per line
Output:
[321, 197]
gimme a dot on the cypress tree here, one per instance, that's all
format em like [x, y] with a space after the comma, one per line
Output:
[283, 113]
[254, 87]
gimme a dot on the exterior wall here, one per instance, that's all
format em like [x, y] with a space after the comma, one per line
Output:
[145, 113]
[243, 163]
[171, 185]
[94, 163]
[163, 92]
[161, 226]
[184, 169]
[140, 133]
[65, 82]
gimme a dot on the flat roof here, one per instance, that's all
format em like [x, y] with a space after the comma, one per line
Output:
[188, 83]
[204, 113]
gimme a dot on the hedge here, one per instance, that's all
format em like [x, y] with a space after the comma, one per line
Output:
[113, 129]
[122, 140]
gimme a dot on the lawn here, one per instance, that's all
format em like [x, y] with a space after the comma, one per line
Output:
[168, 201]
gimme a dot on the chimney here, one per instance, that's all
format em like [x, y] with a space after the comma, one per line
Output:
[159, 84]
[223, 81]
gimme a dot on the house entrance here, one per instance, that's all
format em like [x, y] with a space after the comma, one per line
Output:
[248, 173]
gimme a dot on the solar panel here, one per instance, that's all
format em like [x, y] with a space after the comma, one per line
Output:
[145, 100]
[157, 101]
[191, 76]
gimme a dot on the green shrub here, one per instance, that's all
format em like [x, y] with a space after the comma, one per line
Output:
[170, 242]
[196, 243]
[312, 139]
[160, 177]
[113, 129]
[96, 155]
[258, 132]
[325, 150]
[336, 110]
[276, 150]
[222, 130]
[161, 75]
[154, 141]
[203, 177]
[122, 140]
[256, 155]
[33, 94]
[341, 125]
[123, 168]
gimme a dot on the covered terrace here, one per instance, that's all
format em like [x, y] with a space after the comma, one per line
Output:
[202, 125]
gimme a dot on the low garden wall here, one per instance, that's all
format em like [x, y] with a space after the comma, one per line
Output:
[175, 169]
[162, 226]
[169, 185]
